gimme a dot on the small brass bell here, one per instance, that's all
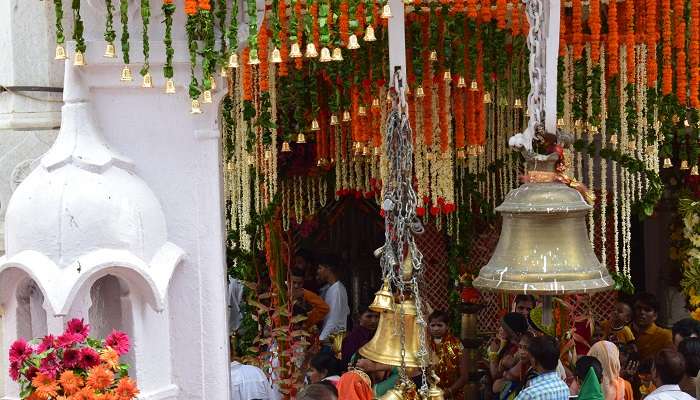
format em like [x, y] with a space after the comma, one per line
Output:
[632, 146]
[375, 103]
[268, 155]
[325, 55]
[435, 393]
[667, 163]
[518, 103]
[109, 51]
[311, 51]
[223, 72]
[433, 55]
[684, 165]
[319, 163]
[301, 139]
[377, 151]
[337, 54]
[170, 86]
[447, 76]
[60, 53]
[461, 155]
[206, 97]
[79, 59]
[461, 83]
[285, 147]
[147, 80]
[126, 74]
[649, 150]
[337, 337]
[594, 129]
[386, 11]
[196, 109]
[430, 156]
[295, 51]
[253, 58]
[686, 123]
[419, 92]
[389, 99]
[365, 151]
[487, 98]
[361, 111]
[369, 34]
[395, 393]
[613, 139]
[233, 60]
[353, 44]
[474, 86]
[560, 123]
[694, 170]
[213, 82]
[346, 116]
[276, 56]
[544, 246]
[314, 126]
[385, 347]
[408, 90]
[334, 120]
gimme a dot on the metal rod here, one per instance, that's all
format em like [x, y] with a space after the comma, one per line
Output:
[547, 311]
[551, 18]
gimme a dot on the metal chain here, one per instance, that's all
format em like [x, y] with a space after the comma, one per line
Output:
[401, 224]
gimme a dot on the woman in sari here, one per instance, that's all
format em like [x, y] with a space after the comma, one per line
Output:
[614, 387]
[355, 385]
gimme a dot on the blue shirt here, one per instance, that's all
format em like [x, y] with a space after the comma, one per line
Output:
[547, 386]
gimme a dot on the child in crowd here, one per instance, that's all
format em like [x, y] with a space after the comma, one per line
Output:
[448, 352]
[616, 328]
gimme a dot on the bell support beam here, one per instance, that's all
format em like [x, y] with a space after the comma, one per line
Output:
[397, 42]
[551, 20]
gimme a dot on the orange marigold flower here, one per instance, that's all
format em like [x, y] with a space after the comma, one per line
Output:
[99, 377]
[45, 386]
[190, 7]
[84, 394]
[126, 389]
[110, 357]
[205, 5]
[70, 382]
[167, 1]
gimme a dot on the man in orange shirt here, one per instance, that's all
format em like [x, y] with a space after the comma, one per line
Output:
[307, 302]
[650, 338]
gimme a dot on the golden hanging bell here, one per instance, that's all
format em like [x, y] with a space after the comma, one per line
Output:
[474, 86]
[346, 116]
[487, 98]
[433, 55]
[169, 86]
[295, 51]
[212, 80]
[375, 103]
[632, 146]
[694, 170]
[386, 11]
[667, 163]
[385, 346]
[377, 151]
[435, 393]
[594, 129]
[233, 60]
[389, 99]
[79, 59]
[447, 76]
[353, 44]
[365, 151]
[396, 393]
[253, 59]
[337, 54]
[110, 52]
[613, 139]
[369, 34]
[314, 126]
[206, 97]
[60, 53]
[544, 247]
[419, 92]
[196, 109]
[337, 337]
[311, 51]
[461, 155]
[560, 123]
[147, 80]
[461, 82]
[518, 103]
[126, 74]
[301, 139]
[325, 55]
[276, 56]
[334, 120]
[361, 111]
[285, 147]
[223, 72]
[684, 165]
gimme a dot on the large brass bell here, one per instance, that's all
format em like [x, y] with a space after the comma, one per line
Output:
[544, 246]
[383, 299]
[395, 393]
[385, 346]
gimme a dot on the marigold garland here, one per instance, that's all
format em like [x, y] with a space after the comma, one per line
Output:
[443, 120]
[651, 40]
[501, 10]
[427, 85]
[485, 11]
[667, 68]
[471, 9]
[515, 18]
[344, 22]
[263, 47]
[78, 28]
[298, 62]
[613, 45]
[168, 11]
[247, 75]
[577, 29]
[190, 7]
[313, 10]
[124, 18]
[284, 46]
[694, 53]
[679, 46]
[594, 26]
[562, 29]
[629, 41]
[459, 117]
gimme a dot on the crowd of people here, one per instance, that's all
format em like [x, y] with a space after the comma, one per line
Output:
[625, 357]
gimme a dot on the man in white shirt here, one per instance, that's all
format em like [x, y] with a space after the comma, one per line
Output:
[668, 371]
[249, 382]
[335, 295]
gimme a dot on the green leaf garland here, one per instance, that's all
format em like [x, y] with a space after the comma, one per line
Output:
[58, 10]
[145, 19]
[191, 28]
[168, 11]
[78, 27]
[124, 18]
[110, 35]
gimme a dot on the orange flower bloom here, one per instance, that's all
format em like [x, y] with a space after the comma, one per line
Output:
[284, 47]
[667, 71]
[471, 9]
[594, 25]
[205, 5]
[576, 29]
[694, 53]
[70, 382]
[190, 7]
[652, 32]
[613, 40]
[126, 389]
[247, 76]
[167, 1]
[515, 19]
[45, 386]
[629, 40]
[501, 9]
[84, 394]
[110, 357]
[485, 13]
[679, 45]
[344, 21]
[99, 377]
[264, 67]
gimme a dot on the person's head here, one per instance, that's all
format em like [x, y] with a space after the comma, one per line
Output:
[622, 315]
[523, 344]
[438, 322]
[669, 367]
[690, 349]
[585, 363]
[323, 365]
[297, 282]
[646, 307]
[368, 319]
[513, 325]
[524, 303]
[318, 391]
[328, 269]
[684, 329]
[609, 357]
[597, 334]
[543, 352]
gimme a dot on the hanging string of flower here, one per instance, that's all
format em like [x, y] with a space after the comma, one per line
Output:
[110, 35]
[168, 71]
[60, 53]
[145, 19]
[124, 19]
[193, 47]
[667, 68]
[78, 29]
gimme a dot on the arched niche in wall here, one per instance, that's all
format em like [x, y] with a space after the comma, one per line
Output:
[31, 316]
